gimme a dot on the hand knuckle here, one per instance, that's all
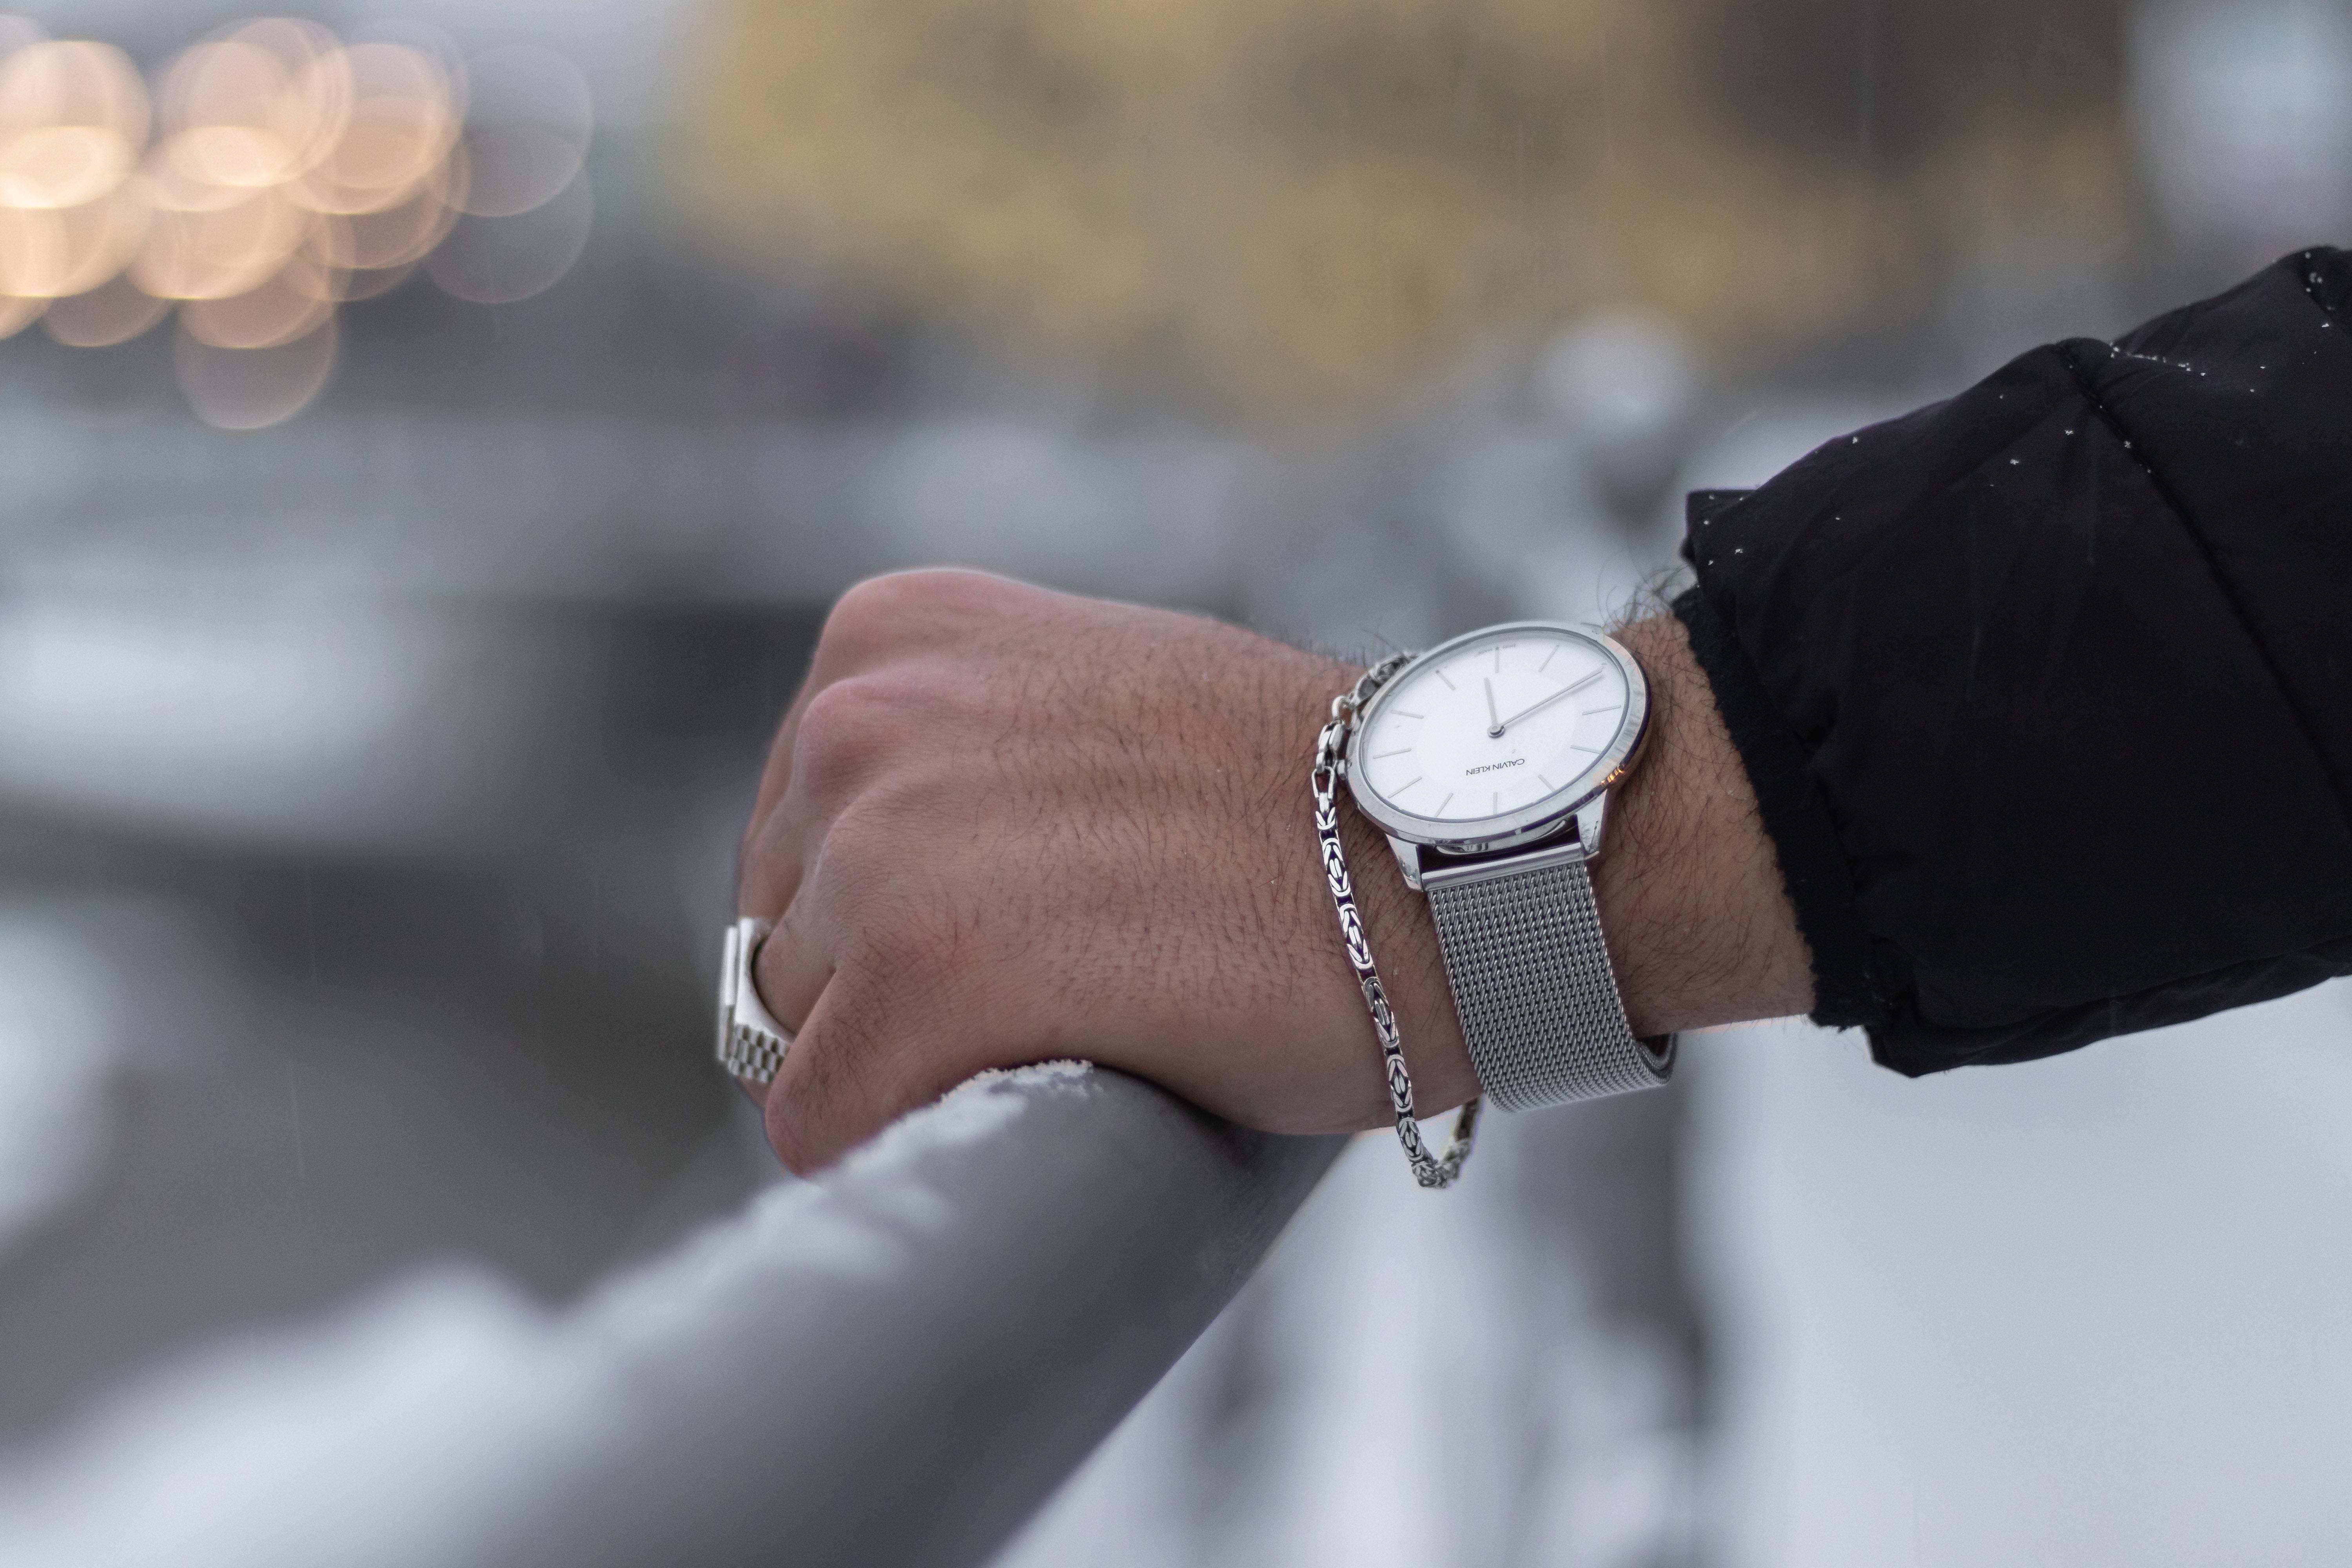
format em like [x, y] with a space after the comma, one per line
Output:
[865, 612]
[844, 734]
[901, 608]
[945, 587]
[867, 625]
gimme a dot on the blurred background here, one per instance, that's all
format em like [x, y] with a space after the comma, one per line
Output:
[430, 434]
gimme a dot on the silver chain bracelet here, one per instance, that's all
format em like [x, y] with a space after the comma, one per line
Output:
[1331, 761]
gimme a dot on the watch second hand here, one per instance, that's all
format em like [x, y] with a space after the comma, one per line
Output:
[1524, 713]
[1494, 725]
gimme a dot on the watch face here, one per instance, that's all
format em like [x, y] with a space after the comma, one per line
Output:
[1497, 733]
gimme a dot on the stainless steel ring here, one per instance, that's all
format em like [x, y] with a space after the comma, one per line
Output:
[751, 1044]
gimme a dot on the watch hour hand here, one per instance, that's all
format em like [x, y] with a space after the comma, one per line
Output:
[1540, 707]
[1494, 726]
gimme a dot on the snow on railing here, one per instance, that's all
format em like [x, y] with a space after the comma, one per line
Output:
[895, 1363]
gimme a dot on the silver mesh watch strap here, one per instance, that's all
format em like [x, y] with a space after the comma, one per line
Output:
[1532, 984]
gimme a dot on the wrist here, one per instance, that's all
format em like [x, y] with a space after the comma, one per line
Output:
[1698, 922]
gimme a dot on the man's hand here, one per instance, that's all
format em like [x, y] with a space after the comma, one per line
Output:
[1000, 825]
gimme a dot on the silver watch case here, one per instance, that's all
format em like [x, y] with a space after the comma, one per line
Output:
[1581, 803]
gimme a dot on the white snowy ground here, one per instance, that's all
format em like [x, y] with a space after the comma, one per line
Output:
[2092, 1311]
[2096, 1310]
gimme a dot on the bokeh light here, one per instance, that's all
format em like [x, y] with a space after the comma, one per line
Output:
[529, 121]
[496, 261]
[114, 313]
[254, 388]
[274, 172]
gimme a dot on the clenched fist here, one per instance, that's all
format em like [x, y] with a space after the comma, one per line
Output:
[1000, 825]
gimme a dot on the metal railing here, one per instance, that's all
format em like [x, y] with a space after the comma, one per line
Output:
[899, 1363]
[894, 1365]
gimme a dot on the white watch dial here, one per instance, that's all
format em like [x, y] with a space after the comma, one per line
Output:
[1496, 725]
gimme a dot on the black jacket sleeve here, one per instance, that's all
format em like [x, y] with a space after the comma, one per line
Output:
[2046, 690]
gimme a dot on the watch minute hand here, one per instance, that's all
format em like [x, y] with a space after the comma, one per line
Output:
[1540, 707]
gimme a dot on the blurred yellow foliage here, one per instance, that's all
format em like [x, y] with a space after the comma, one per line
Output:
[1296, 205]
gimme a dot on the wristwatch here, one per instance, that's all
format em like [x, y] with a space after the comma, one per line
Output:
[1489, 760]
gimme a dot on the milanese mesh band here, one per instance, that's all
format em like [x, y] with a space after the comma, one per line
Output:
[1531, 982]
